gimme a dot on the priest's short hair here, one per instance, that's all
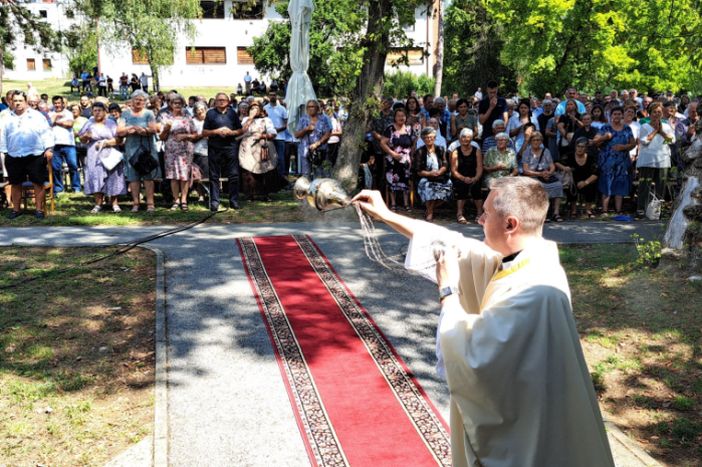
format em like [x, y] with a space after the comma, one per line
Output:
[523, 198]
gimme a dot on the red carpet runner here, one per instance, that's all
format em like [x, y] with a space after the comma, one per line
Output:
[356, 403]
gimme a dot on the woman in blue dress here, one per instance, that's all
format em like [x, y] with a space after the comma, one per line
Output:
[616, 140]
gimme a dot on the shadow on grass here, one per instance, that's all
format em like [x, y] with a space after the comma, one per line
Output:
[648, 321]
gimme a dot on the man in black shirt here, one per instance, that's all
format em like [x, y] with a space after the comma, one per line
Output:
[221, 128]
[492, 108]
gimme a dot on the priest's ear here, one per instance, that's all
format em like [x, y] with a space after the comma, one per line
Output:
[511, 224]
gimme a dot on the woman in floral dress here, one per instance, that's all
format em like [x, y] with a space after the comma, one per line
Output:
[178, 133]
[100, 134]
[617, 140]
[432, 168]
[397, 144]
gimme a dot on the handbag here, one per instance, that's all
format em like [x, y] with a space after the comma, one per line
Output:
[653, 209]
[552, 178]
[109, 158]
[316, 157]
[142, 161]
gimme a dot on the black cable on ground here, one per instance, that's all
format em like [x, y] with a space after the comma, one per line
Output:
[125, 248]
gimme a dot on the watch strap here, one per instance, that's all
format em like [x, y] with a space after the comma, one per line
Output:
[446, 291]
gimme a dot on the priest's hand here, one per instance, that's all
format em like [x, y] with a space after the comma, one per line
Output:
[447, 270]
[372, 203]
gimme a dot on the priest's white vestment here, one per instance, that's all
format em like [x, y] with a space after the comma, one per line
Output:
[521, 393]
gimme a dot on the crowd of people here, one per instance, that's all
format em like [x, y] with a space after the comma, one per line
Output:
[160, 143]
[585, 150]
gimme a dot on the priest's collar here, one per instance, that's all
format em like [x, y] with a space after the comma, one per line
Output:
[511, 257]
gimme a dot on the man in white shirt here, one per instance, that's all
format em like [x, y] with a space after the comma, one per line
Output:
[279, 116]
[61, 120]
[27, 142]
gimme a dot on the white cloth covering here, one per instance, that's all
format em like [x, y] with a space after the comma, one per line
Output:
[521, 393]
[299, 89]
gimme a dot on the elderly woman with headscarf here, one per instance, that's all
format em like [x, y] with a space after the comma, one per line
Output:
[100, 136]
[432, 167]
[257, 156]
[138, 127]
[500, 160]
[178, 133]
[466, 171]
[313, 132]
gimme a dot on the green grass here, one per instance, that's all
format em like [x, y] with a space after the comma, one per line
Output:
[64, 401]
[641, 330]
[74, 209]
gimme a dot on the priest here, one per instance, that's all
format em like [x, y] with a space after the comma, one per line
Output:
[521, 393]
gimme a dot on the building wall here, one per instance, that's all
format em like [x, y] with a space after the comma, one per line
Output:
[55, 15]
[116, 58]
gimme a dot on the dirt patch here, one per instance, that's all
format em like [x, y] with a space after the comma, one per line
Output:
[76, 354]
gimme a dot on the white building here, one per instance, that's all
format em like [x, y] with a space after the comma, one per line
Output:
[216, 56]
[31, 64]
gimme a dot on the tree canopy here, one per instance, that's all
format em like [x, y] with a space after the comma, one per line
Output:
[596, 44]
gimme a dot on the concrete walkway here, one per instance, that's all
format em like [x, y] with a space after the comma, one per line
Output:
[226, 403]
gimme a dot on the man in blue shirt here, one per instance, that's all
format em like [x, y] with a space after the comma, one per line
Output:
[27, 140]
[571, 93]
[279, 116]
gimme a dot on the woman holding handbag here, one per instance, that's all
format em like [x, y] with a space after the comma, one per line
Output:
[538, 163]
[138, 127]
[257, 156]
[104, 168]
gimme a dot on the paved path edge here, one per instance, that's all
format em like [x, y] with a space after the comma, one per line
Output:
[160, 436]
[632, 447]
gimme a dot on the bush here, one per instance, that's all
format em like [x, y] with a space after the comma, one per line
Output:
[401, 83]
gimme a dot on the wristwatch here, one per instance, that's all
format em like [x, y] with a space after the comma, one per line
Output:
[446, 291]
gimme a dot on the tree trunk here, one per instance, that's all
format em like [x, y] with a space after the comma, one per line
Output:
[366, 96]
[439, 51]
[155, 80]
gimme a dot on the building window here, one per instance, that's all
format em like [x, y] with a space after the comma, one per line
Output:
[205, 55]
[46, 64]
[212, 9]
[243, 57]
[139, 57]
[31, 64]
[42, 13]
[413, 55]
[246, 9]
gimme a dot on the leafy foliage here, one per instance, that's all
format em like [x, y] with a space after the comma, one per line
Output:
[473, 41]
[597, 44]
[401, 83]
[335, 57]
[82, 46]
[150, 26]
